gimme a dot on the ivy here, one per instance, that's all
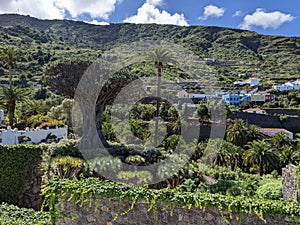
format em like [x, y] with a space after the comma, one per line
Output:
[16, 165]
[79, 190]
[13, 215]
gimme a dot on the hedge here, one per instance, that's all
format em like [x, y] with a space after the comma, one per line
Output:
[16, 165]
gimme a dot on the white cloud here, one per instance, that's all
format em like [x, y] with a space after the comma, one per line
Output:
[149, 13]
[266, 20]
[237, 13]
[43, 9]
[96, 22]
[154, 2]
[212, 11]
[56, 9]
[94, 8]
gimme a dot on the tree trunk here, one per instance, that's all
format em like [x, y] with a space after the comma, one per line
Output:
[11, 112]
[10, 76]
[261, 167]
[159, 70]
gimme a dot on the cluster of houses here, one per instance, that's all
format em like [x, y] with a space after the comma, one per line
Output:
[228, 98]
[288, 86]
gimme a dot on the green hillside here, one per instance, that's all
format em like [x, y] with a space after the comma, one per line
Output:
[236, 51]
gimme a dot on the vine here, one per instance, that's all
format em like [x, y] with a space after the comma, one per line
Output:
[55, 191]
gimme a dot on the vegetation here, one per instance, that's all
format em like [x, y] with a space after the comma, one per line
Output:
[17, 164]
[13, 215]
[238, 173]
[86, 189]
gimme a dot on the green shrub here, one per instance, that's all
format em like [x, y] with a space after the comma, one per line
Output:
[231, 187]
[43, 121]
[13, 215]
[272, 190]
[16, 165]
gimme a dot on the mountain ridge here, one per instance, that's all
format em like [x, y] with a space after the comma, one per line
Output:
[44, 41]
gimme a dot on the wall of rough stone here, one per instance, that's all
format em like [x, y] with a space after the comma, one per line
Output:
[31, 193]
[105, 212]
[289, 183]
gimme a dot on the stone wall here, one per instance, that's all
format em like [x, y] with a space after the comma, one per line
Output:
[291, 124]
[289, 183]
[139, 215]
[31, 193]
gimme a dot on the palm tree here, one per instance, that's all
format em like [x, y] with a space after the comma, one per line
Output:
[222, 153]
[279, 140]
[161, 57]
[288, 154]
[260, 153]
[10, 57]
[237, 132]
[254, 133]
[10, 96]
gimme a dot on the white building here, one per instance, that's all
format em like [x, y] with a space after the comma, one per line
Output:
[13, 136]
[253, 81]
[288, 86]
[273, 131]
[255, 110]
[184, 94]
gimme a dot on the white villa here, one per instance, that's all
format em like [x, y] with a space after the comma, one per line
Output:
[288, 86]
[251, 81]
[13, 136]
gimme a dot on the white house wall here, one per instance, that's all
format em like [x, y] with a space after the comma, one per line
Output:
[10, 136]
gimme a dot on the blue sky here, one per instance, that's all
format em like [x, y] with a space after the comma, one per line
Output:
[275, 17]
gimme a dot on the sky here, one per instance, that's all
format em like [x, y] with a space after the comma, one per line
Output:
[271, 17]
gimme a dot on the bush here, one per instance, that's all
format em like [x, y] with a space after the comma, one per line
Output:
[13, 215]
[17, 163]
[272, 190]
[230, 187]
[43, 121]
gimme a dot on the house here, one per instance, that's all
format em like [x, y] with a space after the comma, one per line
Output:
[253, 81]
[183, 94]
[273, 131]
[255, 110]
[269, 97]
[258, 97]
[210, 60]
[288, 86]
[13, 136]
[239, 83]
[236, 99]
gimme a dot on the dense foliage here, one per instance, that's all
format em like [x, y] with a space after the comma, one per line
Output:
[16, 165]
[12, 215]
[84, 190]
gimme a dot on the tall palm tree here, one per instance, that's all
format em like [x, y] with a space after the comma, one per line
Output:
[237, 132]
[260, 153]
[10, 58]
[10, 96]
[161, 57]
